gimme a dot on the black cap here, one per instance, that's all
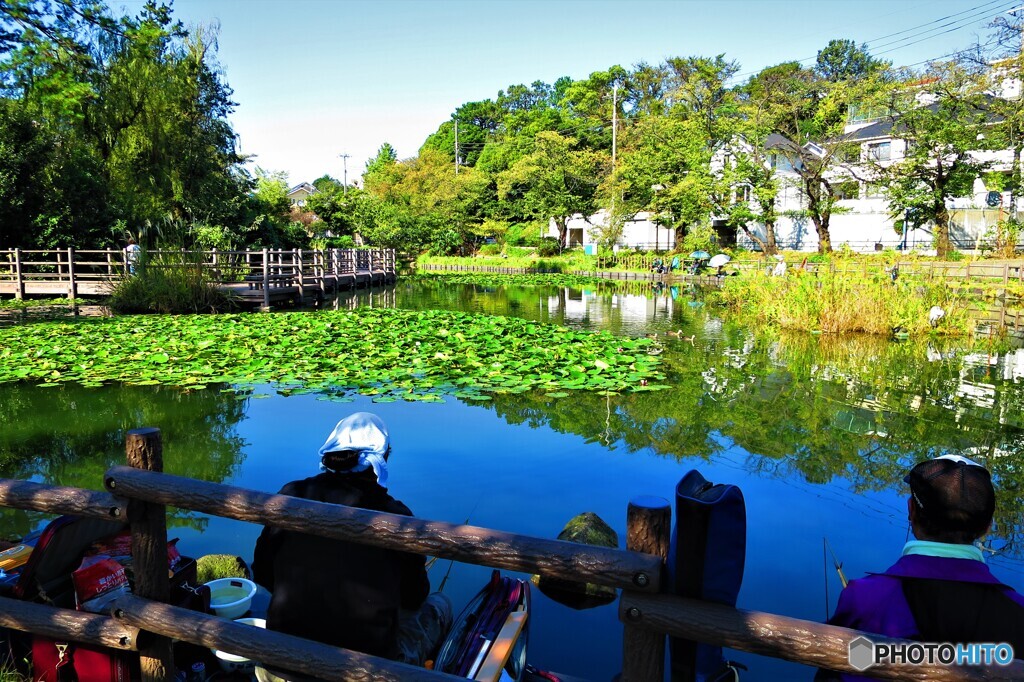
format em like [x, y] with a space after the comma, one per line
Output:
[952, 493]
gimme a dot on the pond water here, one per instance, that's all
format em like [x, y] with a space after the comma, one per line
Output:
[816, 431]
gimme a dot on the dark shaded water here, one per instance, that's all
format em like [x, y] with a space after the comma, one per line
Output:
[816, 431]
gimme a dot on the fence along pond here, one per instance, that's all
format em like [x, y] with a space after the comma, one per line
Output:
[139, 622]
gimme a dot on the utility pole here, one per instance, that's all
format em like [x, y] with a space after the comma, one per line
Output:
[456, 146]
[615, 119]
[344, 165]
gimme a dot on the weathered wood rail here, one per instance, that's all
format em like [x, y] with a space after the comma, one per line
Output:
[262, 277]
[140, 622]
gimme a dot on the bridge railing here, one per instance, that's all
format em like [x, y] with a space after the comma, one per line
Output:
[140, 492]
[70, 272]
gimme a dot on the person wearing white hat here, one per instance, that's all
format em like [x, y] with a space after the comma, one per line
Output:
[343, 593]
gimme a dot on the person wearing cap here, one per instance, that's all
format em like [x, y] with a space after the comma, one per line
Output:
[940, 590]
[346, 594]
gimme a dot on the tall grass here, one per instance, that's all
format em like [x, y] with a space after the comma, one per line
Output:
[832, 303]
[169, 282]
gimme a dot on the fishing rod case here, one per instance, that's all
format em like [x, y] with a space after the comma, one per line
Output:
[706, 558]
[488, 640]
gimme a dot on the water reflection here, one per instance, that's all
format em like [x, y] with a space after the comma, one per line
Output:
[70, 435]
[818, 432]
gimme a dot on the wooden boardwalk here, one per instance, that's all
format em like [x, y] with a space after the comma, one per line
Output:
[261, 278]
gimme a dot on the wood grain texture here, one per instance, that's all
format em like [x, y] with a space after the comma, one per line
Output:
[56, 499]
[648, 530]
[470, 544]
[271, 648]
[814, 644]
[62, 624]
[144, 451]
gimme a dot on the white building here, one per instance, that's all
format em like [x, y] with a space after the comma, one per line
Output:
[641, 232]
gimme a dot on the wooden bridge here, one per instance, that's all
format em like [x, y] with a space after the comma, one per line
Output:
[265, 277]
[141, 622]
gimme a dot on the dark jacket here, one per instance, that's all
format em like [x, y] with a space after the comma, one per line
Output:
[338, 592]
[932, 599]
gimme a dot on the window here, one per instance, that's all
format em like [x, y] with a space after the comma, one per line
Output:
[880, 151]
[741, 195]
[781, 163]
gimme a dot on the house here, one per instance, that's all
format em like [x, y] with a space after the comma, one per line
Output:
[864, 220]
[297, 195]
[639, 232]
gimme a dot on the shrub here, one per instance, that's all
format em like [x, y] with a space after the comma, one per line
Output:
[175, 282]
[345, 241]
[489, 250]
[548, 247]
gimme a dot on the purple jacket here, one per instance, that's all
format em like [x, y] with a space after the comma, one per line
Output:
[878, 602]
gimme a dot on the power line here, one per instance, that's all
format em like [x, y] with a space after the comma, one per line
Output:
[977, 12]
[950, 16]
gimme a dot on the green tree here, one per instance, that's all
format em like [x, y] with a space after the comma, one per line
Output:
[843, 60]
[942, 139]
[556, 180]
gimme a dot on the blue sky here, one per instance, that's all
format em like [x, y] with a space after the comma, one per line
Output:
[317, 78]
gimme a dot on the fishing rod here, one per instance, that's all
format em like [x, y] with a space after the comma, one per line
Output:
[837, 563]
[826, 549]
[452, 562]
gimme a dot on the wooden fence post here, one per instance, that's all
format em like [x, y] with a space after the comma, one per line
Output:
[149, 549]
[266, 279]
[297, 260]
[648, 530]
[73, 288]
[19, 289]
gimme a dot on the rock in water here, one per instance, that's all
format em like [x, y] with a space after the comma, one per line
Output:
[588, 529]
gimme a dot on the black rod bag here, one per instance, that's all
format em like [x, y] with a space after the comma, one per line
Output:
[706, 558]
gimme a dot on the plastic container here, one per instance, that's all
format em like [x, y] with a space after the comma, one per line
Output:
[230, 663]
[231, 597]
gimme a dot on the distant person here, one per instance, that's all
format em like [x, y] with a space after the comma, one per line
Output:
[131, 255]
[940, 590]
[780, 267]
[343, 593]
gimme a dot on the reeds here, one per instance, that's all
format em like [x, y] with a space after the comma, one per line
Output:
[169, 282]
[839, 302]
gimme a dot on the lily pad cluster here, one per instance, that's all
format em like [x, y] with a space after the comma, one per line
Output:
[414, 355]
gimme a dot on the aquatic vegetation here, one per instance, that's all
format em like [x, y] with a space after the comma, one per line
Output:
[387, 353]
[495, 280]
[839, 302]
[170, 282]
[22, 303]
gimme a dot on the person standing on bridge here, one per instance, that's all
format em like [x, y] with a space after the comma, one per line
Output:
[131, 255]
[344, 593]
[940, 590]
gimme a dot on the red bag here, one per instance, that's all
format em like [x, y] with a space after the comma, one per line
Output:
[54, 661]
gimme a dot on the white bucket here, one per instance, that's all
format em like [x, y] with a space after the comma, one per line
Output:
[232, 663]
[231, 597]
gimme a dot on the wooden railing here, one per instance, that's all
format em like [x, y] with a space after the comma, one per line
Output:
[74, 273]
[140, 622]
